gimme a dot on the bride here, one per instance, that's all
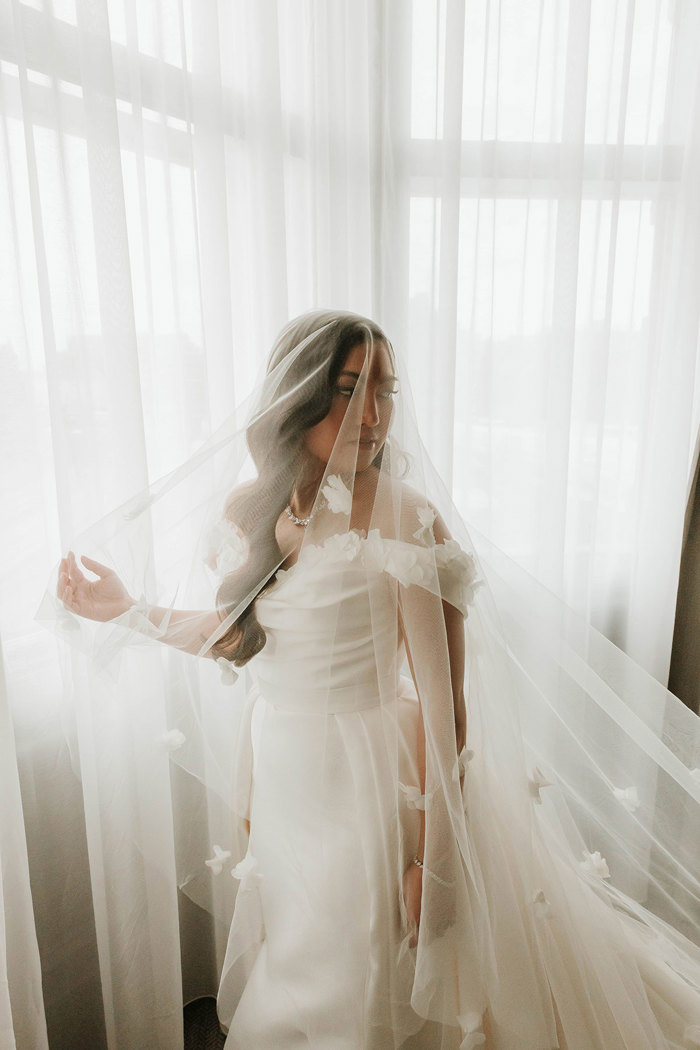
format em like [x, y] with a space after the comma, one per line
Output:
[420, 783]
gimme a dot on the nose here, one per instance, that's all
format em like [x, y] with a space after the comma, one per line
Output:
[370, 411]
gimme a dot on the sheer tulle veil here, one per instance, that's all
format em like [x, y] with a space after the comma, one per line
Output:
[569, 819]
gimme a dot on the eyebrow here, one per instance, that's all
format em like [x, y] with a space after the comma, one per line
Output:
[356, 375]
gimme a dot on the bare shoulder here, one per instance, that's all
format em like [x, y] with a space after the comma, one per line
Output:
[414, 505]
[235, 497]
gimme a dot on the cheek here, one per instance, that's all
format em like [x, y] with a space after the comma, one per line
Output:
[320, 439]
[386, 410]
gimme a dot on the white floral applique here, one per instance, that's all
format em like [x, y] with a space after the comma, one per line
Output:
[594, 864]
[406, 562]
[463, 759]
[414, 798]
[629, 797]
[345, 545]
[172, 740]
[216, 863]
[337, 495]
[426, 517]
[226, 548]
[247, 868]
[536, 783]
[472, 1027]
[309, 554]
[374, 551]
[542, 907]
[228, 674]
[457, 569]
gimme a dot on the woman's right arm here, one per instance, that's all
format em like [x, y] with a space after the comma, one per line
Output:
[107, 598]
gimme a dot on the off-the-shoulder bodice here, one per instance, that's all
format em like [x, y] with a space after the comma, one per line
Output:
[331, 618]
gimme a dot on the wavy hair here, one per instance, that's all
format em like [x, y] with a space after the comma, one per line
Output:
[275, 437]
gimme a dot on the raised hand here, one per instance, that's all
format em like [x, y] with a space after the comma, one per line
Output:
[102, 599]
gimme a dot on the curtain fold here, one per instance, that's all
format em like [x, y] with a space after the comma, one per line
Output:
[22, 1020]
[570, 343]
[509, 187]
[684, 676]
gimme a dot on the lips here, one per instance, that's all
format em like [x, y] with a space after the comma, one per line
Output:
[364, 442]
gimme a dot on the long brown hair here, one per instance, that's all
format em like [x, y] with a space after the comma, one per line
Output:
[275, 440]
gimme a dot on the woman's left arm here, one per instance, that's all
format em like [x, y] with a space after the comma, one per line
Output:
[454, 632]
[424, 641]
[454, 629]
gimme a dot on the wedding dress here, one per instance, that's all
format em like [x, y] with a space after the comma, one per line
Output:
[319, 872]
[318, 908]
[560, 894]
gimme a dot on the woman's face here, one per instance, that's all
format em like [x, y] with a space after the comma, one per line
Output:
[365, 420]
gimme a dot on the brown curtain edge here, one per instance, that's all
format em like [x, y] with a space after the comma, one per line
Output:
[684, 675]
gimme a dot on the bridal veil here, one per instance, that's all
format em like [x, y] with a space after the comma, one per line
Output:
[562, 841]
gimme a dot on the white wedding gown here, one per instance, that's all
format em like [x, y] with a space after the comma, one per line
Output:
[318, 945]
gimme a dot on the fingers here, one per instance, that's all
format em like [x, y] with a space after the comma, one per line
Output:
[64, 590]
[61, 573]
[68, 576]
[74, 570]
[63, 577]
[90, 564]
[95, 566]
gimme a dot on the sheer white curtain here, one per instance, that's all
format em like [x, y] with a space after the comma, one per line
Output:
[544, 281]
[511, 188]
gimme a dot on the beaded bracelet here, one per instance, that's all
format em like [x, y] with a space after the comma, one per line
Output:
[427, 871]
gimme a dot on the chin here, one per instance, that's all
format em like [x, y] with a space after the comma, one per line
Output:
[366, 458]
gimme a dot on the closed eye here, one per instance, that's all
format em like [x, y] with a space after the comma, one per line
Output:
[385, 395]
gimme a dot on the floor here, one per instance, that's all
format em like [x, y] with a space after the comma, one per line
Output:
[202, 1026]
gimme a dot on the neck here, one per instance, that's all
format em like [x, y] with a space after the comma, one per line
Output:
[306, 489]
